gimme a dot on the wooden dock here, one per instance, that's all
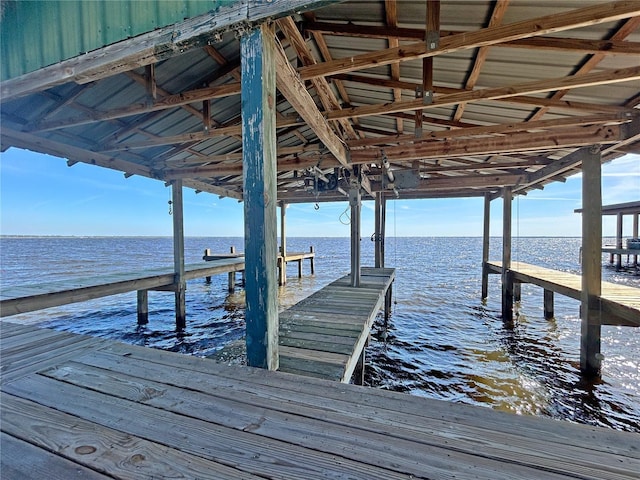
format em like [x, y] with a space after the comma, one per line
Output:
[77, 407]
[620, 304]
[22, 299]
[324, 335]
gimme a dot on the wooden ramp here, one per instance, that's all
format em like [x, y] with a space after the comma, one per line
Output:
[620, 304]
[324, 335]
[83, 408]
[21, 299]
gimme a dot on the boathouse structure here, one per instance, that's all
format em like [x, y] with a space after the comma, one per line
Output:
[275, 102]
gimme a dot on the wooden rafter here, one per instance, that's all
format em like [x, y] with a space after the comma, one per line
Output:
[290, 85]
[598, 78]
[500, 129]
[577, 45]
[489, 36]
[499, 9]
[623, 32]
[326, 95]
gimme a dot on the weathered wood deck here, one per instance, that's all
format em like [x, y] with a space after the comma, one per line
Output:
[324, 335]
[77, 407]
[21, 299]
[620, 304]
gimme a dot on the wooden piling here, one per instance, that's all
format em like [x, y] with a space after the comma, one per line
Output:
[590, 357]
[178, 254]
[355, 202]
[507, 279]
[143, 307]
[312, 260]
[232, 275]
[485, 246]
[207, 252]
[619, 228]
[548, 304]
[282, 263]
[517, 291]
[378, 231]
[635, 235]
[260, 217]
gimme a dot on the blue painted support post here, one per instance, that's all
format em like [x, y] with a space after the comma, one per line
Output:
[178, 254]
[260, 220]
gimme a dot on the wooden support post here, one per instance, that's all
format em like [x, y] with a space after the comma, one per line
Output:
[207, 252]
[282, 264]
[507, 278]
[260, 216]
[387, 304]
[312, 260]
[383, 228]
[635, 235]
[485, 246]
[300, 268]
[619, 240]
[178, 254]
[355, 203]
[548, 304]
[517, 291]
[590, 357]
[143, 307]
[377, 235]
[358, 372]
[232, 275]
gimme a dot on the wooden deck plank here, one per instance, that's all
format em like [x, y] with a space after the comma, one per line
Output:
[375, 405]
[105, 449]
[621, 302]
[20, 459]
[281, 418]
[182, 413]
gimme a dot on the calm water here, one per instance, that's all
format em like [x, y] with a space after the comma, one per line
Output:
[441, 342]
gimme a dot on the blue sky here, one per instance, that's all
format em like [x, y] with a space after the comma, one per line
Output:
[41, 195]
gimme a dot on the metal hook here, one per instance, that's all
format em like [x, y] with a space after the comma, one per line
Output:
[316, 206]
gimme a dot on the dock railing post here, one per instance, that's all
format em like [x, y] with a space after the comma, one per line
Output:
[507, 277]
[377, 230]
[282, 260]
[258, 85]
[590, 357]
[635, 235]
[178, 254]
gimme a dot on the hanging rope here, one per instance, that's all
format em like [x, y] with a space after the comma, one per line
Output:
[346, 215]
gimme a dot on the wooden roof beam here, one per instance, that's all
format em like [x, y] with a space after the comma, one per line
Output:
[326, 95]
[293, 89]
[517, 142]
[577, 45]
[519, 99]
[391, 14]
[627, 28]
[582, 17]
[499, 129]
[499, 9]
[604, 77]
[171, 101]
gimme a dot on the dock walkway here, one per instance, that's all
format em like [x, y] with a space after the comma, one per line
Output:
[28, 298]
[77, 407]
[324, 335]
[620, 304]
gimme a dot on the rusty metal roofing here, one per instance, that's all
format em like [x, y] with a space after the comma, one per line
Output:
[509, 102]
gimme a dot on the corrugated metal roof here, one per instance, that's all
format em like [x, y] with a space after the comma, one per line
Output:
[197, 68]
